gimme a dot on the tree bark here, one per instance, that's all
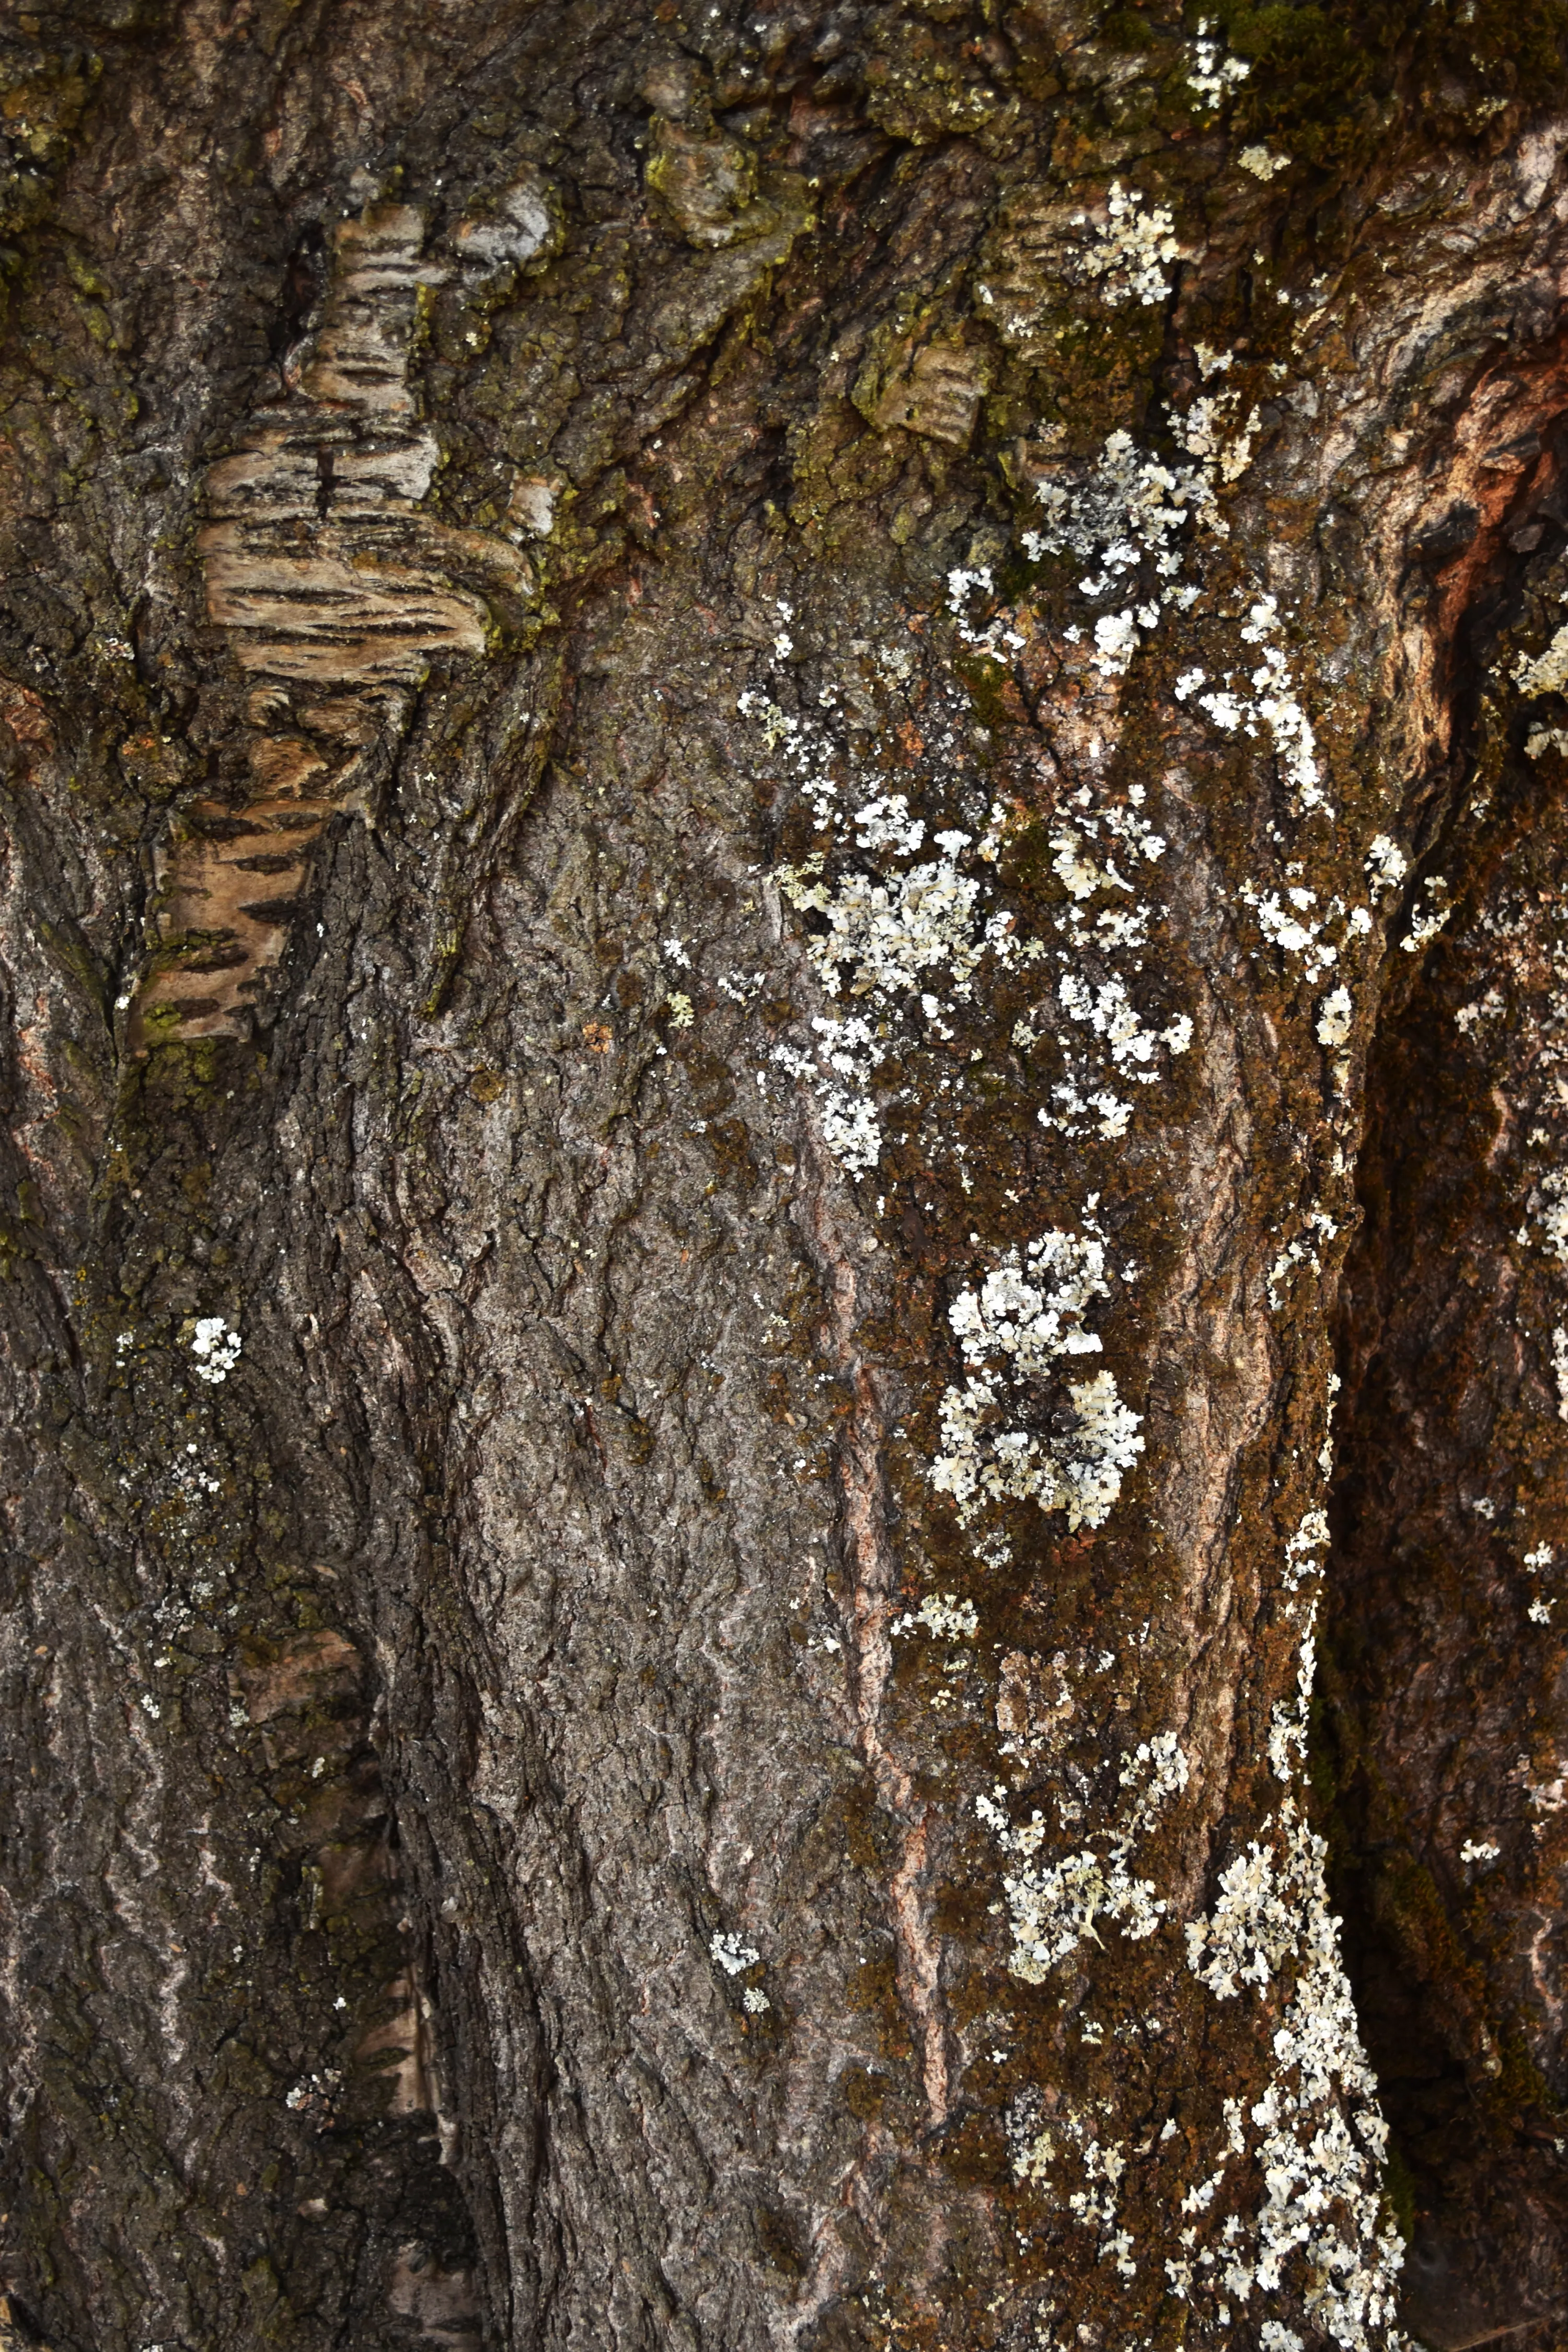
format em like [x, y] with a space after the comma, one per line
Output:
[782, 898]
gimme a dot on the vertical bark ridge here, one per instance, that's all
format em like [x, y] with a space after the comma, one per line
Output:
[722, 1306]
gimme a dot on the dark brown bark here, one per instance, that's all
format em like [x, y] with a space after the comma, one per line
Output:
[781, 799]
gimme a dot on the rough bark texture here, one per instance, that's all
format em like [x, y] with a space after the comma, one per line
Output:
[783, 817]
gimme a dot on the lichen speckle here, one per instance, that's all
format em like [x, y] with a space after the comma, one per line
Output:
[1133, 249]
[1053, 1906]
[217, 1349]
[1027, 1314]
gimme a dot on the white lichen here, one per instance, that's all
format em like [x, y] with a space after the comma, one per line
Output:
[1133, 516]
[1550, 1201]
[1386, 866]
[217, 1349]
[897, 941]
[1544, 673]
[998, 639]
[944, 1614]
[1125, 1048]
[1426, 921]
[1132, 248]
[1287, 1719]
[1214, 75]
[1482, 1008]
[733, 1955]
[1053, 1906]
[1303, 1249]
[1320, 2138]
[1027, 1314]
[1311, 1536]
[1317, 2141]
[1288, 923]
[1273, 703]
[1106, 1039]
[1335, 1015]
[1261, 164]
[884, 931]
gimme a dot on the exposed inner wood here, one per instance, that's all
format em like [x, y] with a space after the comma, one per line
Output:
[329, 580]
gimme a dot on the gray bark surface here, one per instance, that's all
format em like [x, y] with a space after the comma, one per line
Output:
[781, 899]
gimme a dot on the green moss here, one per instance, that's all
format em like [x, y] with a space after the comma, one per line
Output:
[1125, 29]
[1399, 2191]
[1327, 79]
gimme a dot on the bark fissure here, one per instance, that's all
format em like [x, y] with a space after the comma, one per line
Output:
[755, 765]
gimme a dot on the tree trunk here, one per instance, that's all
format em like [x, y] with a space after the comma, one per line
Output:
[781, 799]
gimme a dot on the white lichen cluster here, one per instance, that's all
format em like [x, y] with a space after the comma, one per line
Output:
[903, 936]
[1288, 1718]
[217, 1349]
[885, 933]
[1311, 1536]
[1490, 1007]
[1385, 863]
[1303, 1249]
[1079, 2135]
[1261, 164]
[1541, 738]
[1115, 1037]
[1095, 2205]
[1132, 248]
[1335, 1015]
[1291, 921]
[733, 1954]
[1106, 1040]
[1027, 1314]
[909, 931]
[1087, 842]
[888, 936]
[1130, 521]
[1215, 75]
[998, 639]
[1541, 674]
[1288, 921]
[1426, 921]
[1267, 701]
[1544, 673]
[1136, 523]
[1053, 1906]
[944, 1614]
[1137, 520]
[1539, 1609]
[1549, 1205]
[1315, 2140]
